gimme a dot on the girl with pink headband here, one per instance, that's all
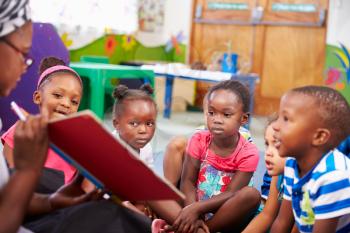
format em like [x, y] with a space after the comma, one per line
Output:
[59, 91]
[54, 69]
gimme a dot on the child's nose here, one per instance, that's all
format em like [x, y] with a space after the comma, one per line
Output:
[268, 152]
[142, 128]
[275, 125]
[218, 119]
[65, 102]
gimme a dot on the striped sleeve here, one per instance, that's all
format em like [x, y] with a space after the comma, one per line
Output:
[344, 147]
[265, 187]
[330, 194]
[288, 179]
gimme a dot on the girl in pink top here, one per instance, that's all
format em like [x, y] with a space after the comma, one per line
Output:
[218, 166]
[59, 91]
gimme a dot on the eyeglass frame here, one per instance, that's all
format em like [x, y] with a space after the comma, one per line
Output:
[28, 61]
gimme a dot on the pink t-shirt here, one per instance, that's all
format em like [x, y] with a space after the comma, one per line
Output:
[245, 158]
[53, 160]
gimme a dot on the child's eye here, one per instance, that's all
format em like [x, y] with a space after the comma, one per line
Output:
[266, 143]
[227, 115]
[75, 102]
[150, 124]
[210, 113]
[285, 118]
[57, 95]
[133, 123]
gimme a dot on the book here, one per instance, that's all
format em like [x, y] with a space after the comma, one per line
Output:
[82, 140]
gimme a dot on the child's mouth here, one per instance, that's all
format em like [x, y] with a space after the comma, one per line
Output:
[269, 165]
[61, 112]
[217, 130]
[141, 141]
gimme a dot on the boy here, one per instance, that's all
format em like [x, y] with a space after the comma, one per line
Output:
[312, 121]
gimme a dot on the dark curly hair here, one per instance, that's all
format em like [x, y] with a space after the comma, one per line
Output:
[122, 93]
[237, 88]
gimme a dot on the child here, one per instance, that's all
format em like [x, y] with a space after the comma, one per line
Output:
[134, 119]
[176, 148]
[59, 91]
[217, 168]
[271, 200]
[312, 121]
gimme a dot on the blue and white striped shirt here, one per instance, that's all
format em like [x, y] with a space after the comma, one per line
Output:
[323, 193]
[344, 147]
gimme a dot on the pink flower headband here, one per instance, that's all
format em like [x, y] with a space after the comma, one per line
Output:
[53, 69]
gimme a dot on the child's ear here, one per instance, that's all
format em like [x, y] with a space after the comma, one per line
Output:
[245, 118]
[321, 137]
[116, 123]
[37, 98]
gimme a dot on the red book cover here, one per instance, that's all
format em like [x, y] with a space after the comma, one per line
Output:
[83, 141]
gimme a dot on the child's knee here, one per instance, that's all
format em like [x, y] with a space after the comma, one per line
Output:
[249, 195]
[178, 143]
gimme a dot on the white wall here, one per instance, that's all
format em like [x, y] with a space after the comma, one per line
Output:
[339, 23]
[177, 17]
[87, 20]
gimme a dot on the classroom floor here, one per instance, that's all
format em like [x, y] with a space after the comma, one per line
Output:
[184, 123]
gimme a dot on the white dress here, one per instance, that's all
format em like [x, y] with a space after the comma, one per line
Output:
[146, 153]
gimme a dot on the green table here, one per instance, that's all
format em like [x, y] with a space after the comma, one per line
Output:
[98, 74]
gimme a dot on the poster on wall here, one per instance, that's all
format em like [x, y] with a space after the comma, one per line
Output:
[337, 70]
[151, 15]
[79, 30]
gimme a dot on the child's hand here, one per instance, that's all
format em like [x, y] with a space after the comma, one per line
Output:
[200, 227]
[145, 209]
[31, 143]
[71, 194]
[187, 219]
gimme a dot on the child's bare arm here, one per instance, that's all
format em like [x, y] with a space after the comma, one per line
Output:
[264, 220]
[191, 213]
[189, 179]
[285, 220]
[166, 209]
[326, 225]
[129, 205]
[187, 217]
[295, 229]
